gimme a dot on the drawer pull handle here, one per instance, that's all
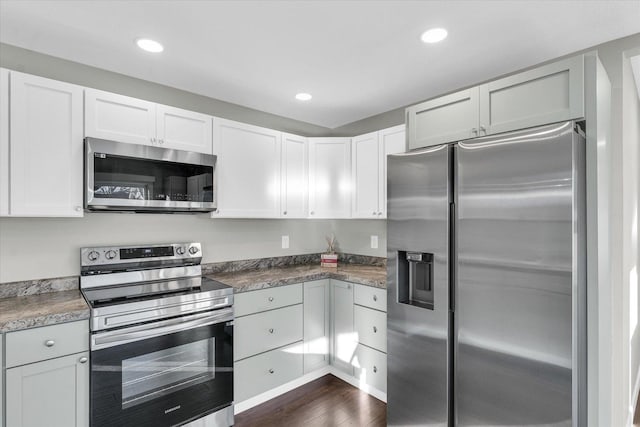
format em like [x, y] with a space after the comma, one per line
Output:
[375, 369]
[271, 371]
[83, 360]
[375, 298]
[270, 299]
[271, 330]
[375, 329]
[49, 343]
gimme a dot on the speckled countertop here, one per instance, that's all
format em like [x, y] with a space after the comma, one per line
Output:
[243, 281]
[43, 309]
[36, 303]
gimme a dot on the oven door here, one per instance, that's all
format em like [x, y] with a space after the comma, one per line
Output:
[164, 373]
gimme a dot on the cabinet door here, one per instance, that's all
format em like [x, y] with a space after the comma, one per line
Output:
[184, 130]
[446, 119]
[295, 176]
[248, 170]
[4, 143]
[365, 174]
[119, 118]
[329, 177]
[317, 300]
[45, 147]
[370, 368]
[53, 393]
[547, 94]
[392, 141]
[344, 335]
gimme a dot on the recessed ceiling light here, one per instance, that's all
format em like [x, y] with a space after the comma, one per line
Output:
[434, 35]
[303, 96]
[150, 45]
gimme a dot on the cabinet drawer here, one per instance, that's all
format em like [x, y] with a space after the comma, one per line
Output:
[267, 299]
[33, 345]
[371, 327]
[260, 373]
[370, 297]
[371, 367]
[265, 331]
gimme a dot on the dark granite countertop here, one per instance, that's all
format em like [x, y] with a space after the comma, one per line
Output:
[243, 281]
[22, 312]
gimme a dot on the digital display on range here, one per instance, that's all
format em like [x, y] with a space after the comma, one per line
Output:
[158, 251]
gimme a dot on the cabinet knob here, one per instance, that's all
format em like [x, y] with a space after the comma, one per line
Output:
[375, 369]
[375, 297]
[49, 343]
[284, 213]
[83, 360]
[375, 213]
[271, 371]
[161, 141]
[312, 212]
[379, 213]
[474, 131]
[270, 330]
[79, 208]
[375, 330]
[270, 299]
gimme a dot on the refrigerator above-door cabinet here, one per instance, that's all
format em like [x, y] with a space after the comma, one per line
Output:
[486, 281]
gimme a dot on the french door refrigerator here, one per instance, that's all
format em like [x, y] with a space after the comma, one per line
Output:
[486, 281]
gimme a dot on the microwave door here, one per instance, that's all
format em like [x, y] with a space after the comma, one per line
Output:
[130, 177]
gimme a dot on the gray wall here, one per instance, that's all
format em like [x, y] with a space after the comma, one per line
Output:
[35, 248]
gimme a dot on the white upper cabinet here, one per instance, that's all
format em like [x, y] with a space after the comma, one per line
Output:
[392, 141]
[126, 119]
[248, 170]
[446, 119]
[119, 118]
[184, 130]
[548, 94]
[366, 176]
[4, 142]
[45, 145]
[369, 170]
[295, 176]
[329, 177]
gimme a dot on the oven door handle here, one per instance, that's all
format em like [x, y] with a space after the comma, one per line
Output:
[142, 332]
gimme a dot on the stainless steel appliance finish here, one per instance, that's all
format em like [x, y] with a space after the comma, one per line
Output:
[141, 178]
[516, 337]
[161, 337]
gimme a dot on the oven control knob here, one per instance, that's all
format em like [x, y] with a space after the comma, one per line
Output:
[110, 254]
[93, 255]
[180, 250]
[193, 250]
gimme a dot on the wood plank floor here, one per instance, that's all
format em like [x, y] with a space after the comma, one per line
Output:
[325, 402]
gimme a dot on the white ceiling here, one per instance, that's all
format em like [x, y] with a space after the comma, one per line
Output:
[357, 58]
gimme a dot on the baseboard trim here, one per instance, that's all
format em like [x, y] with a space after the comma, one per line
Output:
[307, 378]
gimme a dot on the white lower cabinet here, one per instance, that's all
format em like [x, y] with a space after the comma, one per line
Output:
[52, 393]
[370, 367]
[343, 333]
[317, 301]
[47, 376]
[265, 371]
[262, 332]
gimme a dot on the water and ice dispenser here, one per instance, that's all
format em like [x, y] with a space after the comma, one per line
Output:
[415, 279]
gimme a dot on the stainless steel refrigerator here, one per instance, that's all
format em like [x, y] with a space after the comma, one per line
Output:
[486, 281]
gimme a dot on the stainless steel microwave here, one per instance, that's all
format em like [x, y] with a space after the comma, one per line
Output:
[140, 178]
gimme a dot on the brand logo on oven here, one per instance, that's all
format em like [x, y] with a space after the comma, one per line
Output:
[175, 408]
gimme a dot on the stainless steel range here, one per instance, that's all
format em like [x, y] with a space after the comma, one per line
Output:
[161, 337]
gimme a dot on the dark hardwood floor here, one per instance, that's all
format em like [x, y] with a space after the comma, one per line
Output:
[325, 402]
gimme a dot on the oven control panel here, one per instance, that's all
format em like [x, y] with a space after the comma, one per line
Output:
[126, 254]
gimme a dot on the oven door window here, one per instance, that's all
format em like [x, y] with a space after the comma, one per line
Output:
[163, 381]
